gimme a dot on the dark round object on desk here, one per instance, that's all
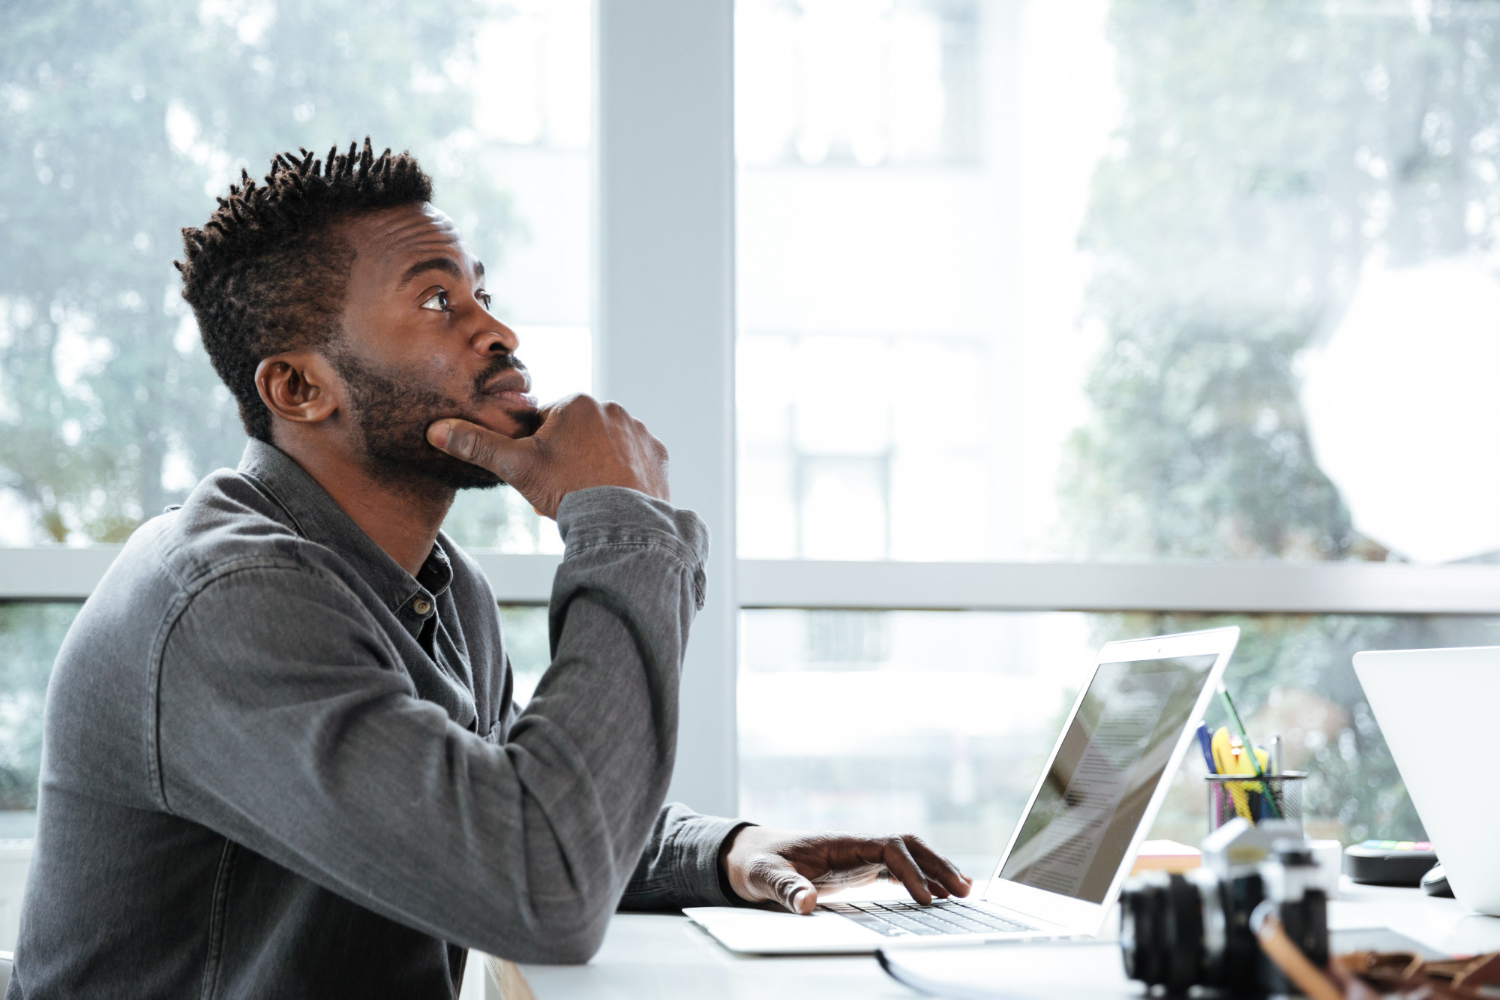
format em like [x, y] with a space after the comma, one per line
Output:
[1388, 862]
[1435, 883]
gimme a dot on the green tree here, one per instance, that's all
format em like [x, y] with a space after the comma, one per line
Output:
[29, 637]
[1268, 148]
[119, 123]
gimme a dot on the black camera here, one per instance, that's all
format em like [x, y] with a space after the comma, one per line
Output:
[1178, 931]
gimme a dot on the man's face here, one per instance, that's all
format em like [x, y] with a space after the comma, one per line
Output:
[419, 344]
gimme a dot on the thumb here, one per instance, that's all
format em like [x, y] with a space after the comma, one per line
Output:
[790, 888]
[476, 445]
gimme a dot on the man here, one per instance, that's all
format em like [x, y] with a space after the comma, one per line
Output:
[281, 756]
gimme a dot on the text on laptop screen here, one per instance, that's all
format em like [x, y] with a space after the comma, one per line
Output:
[1102, 779]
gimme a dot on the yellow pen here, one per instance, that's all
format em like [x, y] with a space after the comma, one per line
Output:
[1230, 758]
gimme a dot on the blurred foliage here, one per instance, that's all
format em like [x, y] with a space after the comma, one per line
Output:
[30, 635]
[1267, 149]
[119, 124]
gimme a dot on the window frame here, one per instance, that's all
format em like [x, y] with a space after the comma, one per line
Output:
[1252, 587]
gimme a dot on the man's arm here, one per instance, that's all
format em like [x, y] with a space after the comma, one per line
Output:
[759, 865]
[286, 723]
[693, 860]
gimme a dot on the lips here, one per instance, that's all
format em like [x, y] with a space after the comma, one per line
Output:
[512, 387]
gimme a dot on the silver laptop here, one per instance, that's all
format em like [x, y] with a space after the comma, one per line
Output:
[1096, 798]
[1436, 708]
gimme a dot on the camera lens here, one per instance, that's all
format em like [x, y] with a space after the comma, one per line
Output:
[1184, 942]
[1141, 904]
[1139, 928]
[1178, 931]
[1161, 931]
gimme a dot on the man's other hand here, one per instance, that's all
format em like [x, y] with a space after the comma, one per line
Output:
[580, 443]
[791, 867]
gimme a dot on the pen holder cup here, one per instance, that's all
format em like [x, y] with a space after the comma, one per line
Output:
[1272, 796]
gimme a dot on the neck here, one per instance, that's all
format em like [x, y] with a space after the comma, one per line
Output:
[400, 516]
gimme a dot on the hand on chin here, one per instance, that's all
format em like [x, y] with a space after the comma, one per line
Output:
[511, 423]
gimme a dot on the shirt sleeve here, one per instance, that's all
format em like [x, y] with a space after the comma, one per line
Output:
[286, 722]
[680, 865]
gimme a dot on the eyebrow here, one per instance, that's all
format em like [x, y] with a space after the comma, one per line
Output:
[444, 264]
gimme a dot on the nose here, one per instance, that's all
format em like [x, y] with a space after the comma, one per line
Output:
[497, 339]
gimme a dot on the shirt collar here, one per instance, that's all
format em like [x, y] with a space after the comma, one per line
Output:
[318, 518]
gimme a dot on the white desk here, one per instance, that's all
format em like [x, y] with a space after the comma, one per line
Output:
[666, 957]
[1439, 923]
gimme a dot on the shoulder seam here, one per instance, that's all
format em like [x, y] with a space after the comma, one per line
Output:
[169, 624]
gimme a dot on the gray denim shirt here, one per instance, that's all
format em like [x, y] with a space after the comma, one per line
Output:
[276, 764]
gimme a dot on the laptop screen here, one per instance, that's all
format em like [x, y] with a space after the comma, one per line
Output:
[1104, 774]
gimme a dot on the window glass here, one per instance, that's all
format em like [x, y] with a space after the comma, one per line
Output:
[526, 641]
[1122, 280]
[940, 722]
[119, 128]
[30, 634]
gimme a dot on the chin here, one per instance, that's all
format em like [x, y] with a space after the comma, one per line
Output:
[460, 475]
[422, 471]
[511, 423]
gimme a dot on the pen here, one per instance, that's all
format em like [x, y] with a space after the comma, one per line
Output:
[1227, 754]
[1261, 800]
[1206, 745]
[1239, 726]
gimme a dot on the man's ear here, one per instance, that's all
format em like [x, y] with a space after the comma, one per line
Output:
[299, 386]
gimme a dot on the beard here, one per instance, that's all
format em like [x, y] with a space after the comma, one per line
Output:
[393, 416]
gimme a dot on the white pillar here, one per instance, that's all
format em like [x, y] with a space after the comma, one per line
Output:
[664, 314]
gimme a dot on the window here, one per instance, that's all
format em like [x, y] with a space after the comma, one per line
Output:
[1105, 303]
[30, 634]
[941, 721]
[1046, 334]
[124, 129]
[1150, 284]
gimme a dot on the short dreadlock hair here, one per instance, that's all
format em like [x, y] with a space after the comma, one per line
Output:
[267, 273]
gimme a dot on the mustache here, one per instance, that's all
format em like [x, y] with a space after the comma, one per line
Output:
[503, 362]
[530, 421]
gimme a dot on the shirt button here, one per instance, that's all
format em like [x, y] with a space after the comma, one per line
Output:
[421, 605]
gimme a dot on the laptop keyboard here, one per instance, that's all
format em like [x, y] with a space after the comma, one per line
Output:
[944, 916]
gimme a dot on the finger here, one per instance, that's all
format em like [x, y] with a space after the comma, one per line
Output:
[938, 868]
[476, 445]
[899, 860]
[783, 883]
[549, 415]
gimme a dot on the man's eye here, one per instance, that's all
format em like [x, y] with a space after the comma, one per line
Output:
[437, 302]
[484, 297]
